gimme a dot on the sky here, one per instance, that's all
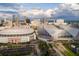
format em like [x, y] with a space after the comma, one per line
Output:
[41, 10]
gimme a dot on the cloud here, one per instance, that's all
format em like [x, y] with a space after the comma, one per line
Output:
[37, 12]
[49, 12]
[8, 7]
[67, 11]
[2, 15]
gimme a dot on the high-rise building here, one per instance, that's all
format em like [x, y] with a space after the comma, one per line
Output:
[14, 16]
[15, 20]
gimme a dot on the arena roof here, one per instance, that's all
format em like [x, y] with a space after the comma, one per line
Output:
[14, 31]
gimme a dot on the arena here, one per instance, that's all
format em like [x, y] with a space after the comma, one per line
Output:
[16, 35]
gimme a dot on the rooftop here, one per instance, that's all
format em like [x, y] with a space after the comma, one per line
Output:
[13, 31]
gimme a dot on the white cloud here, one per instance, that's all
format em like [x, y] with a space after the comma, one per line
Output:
[75, 6]
[67, 11]
[13, 10]
[37, 12]
[63, 10]
[2, 15]
[49, 12]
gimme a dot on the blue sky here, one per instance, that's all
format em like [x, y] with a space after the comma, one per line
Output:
[54, 10]
[40, 5]
[13, 7]
[30, 5]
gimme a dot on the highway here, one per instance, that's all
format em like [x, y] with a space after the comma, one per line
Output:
[56, 49]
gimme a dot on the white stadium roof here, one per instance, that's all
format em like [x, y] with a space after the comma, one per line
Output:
[16, 31]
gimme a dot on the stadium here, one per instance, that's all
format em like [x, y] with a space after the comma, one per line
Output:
[16, 35]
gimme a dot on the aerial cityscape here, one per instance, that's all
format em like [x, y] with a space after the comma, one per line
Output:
[39, 29]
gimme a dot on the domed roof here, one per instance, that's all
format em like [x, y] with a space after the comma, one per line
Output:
[16, 31]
